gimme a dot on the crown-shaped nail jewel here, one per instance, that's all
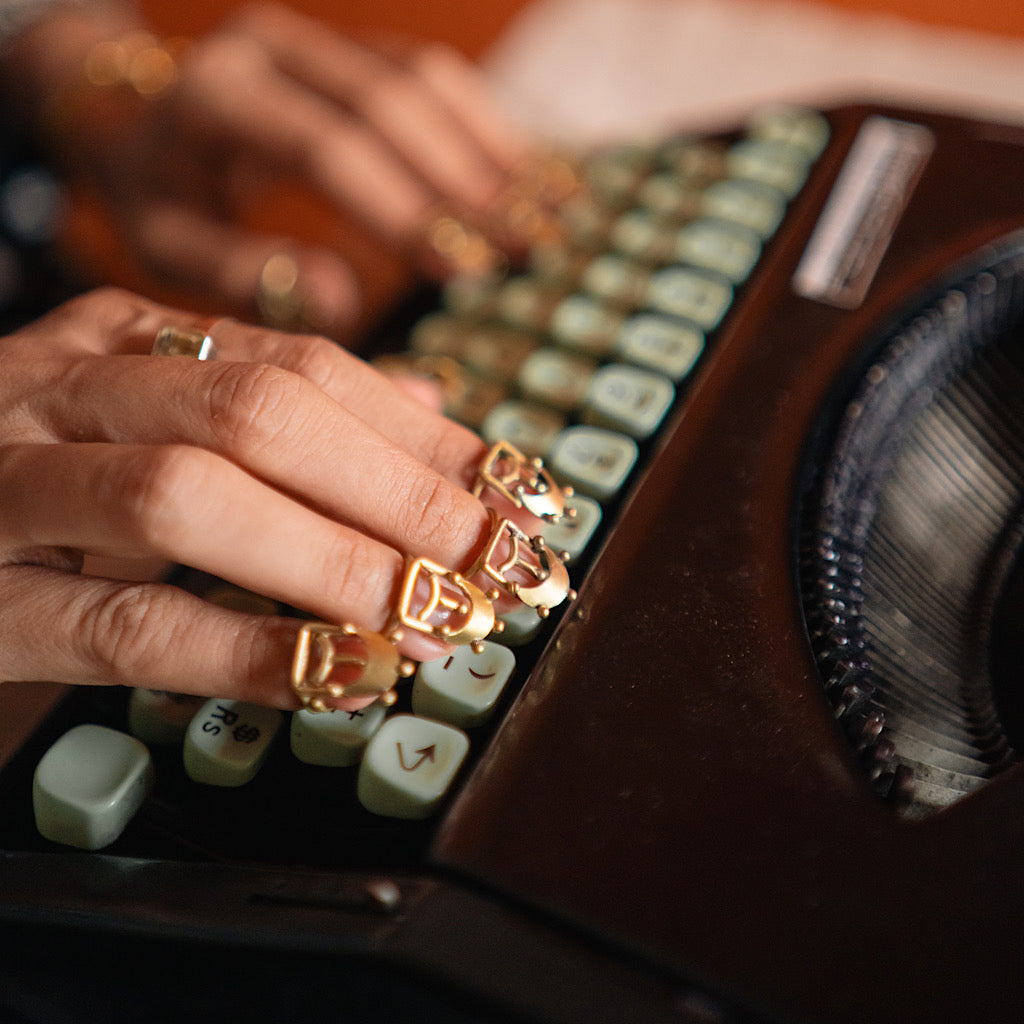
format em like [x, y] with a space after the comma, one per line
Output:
[522, 481]
[444, 604]
[523, 566]
[344, 661]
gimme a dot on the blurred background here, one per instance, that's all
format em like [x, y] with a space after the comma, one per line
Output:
[582, 71]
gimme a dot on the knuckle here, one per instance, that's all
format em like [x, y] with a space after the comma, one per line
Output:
[314, 358]
[433, 57]
[430, 514]
[158, 488]
[107, 310]
[359, 580]
[391, 88]
[123, 631]
[250, 404]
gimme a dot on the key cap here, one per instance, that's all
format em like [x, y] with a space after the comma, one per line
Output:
[593, 460]
[772, 161]
[754, 204]
[228, 741]
[571, 534]
[160, 718]
[89, 785]
[584, 323]
[334, 739]
[463, 688]
[409, 765]
[660, 343]
[629, 399]
[556, 378]
[728, 249]
[691, 294]
[529, 427]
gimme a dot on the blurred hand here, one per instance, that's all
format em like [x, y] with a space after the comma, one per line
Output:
[383, 134]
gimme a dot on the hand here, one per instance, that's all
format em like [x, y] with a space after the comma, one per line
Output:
[287, 466]
[384, 135]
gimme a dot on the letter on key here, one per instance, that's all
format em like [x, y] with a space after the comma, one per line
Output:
[228, 741]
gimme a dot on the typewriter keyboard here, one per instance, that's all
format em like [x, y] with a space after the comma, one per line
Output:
[578, 357]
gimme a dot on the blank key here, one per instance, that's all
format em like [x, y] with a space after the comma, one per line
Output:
[88, 786]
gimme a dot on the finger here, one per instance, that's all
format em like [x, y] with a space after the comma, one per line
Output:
[223, 264]
[459, 85]
[422, 389]
[463, 148]
[300, 133]
[93, 631]
[385, 406]
[286, 431]
[193, 508]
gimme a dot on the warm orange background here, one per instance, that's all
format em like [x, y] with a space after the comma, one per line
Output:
[473, 24]
[470, 25]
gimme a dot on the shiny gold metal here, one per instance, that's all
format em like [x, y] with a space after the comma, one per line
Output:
[138, 60]
[332, 662]
[528, 569]
[442, 603]
[522, 481]
[175, 341]
[462, 247]
[443, 370]
[279, 300]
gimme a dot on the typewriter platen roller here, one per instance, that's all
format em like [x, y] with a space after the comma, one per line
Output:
[765, 767]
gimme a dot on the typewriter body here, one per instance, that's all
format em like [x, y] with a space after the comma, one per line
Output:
[762, 767]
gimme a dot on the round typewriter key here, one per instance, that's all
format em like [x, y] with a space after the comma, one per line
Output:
[585, 323]
[593, 460]
[629, 399]
[556, 378]
[570, 535]
[463, 688]
[805, 129]
[529, 427]
[771, 161]
[686, 292]
[753, 204]
[728, 249]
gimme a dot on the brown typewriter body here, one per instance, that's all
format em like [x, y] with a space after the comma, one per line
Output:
[668, 824]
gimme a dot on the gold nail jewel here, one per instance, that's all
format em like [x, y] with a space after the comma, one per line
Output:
[442, 603]
[529, 571]
[344, 661]
[522, 481]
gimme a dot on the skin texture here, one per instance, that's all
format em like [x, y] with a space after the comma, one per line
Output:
[287, 466]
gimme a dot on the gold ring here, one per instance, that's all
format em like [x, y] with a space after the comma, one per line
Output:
[279, 299]
[462, 247]
[174, 341]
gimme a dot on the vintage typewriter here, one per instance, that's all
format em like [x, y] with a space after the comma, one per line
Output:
[763, 767]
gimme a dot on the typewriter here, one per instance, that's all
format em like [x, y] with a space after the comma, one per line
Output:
[764, 766]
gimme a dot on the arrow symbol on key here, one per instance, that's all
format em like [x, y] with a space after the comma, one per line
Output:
[426, 754]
